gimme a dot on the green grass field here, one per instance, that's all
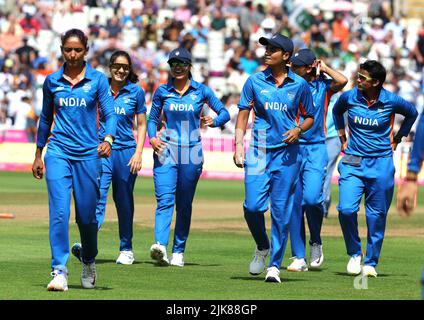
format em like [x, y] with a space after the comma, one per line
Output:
[218, 252]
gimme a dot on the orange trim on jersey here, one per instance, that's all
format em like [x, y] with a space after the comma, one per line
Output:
[98, 117]
[328, 96]
[392, 122]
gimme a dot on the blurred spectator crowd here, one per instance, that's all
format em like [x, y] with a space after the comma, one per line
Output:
[222, 36]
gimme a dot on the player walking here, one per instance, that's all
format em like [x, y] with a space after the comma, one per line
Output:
[178, 155]
[367, 167]
[309, 197]
[69, 121]
[277, 96]
[122, 166]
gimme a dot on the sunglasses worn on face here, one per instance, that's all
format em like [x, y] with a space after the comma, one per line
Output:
[69, 50]
[179, 64]
[364, 77]
[272, 49]
[118, 66]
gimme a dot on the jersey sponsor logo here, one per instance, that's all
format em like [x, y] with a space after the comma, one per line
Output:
[72, 102]
[264, 91]
[278, 106]
[181, 107]
[365, 121]
[58, 89]
[119, 110]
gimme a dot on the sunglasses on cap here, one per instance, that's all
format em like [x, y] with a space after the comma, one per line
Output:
[364, 77]
[118, 66]
[175, 64]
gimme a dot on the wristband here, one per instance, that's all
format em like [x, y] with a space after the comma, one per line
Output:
[108, 139]
[300, 128]
[238, 142]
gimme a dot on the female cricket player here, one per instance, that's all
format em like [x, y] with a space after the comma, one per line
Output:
[309, 191]
[68, 122]
[367, 167]
[178, 156]
[122, 166]
[272, 162]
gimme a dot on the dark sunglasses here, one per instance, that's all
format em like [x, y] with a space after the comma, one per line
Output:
[118, 66]
[179, 64]
[68, 50]
[272, 49]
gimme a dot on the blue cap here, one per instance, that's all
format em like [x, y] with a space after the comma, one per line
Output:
[304, 57]
[180, 54]
[279, 41]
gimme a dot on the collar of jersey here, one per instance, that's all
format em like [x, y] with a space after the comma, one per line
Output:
[382, 98]
[89, 72]
[268, 74]
[170, 86]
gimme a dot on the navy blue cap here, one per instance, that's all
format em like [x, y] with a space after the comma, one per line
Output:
[304, 57]
[279, 41]
[180, 54]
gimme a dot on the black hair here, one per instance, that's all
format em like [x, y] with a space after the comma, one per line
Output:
[120, 53]
[375, 69]
[75, 33]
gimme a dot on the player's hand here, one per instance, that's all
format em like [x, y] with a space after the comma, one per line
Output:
[407, 198]
[238, 156]
[38, 168]
[292, 135]
[394, 146]
[135, 163]
[207, 121]
[158, 146]
[104, 149]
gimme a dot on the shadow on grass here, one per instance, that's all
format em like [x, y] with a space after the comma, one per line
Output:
[345, 274]
[76, 287]
[262, 279]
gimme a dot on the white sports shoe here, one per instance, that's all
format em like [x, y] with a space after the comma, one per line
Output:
[158, 253]
[298, 265]
[88, 275]
[317, 256]
[257, 265]
[59, 281]
[273, 275]
[369, 271]
[354, 265]
[125, 257]
[177, 259]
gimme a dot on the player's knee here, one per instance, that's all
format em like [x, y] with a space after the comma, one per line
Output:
[251, 207]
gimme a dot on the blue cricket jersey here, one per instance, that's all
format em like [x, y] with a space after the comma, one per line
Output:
[371, 126]
[321, 94]
[329, 122]
[277, 108]
[182, 113]
[417, 153]
[128, 102]
[73, 112]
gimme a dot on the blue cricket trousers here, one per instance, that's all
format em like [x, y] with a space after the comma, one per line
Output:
[176, 173]
[116, 171]
[270, 175]
[309, 198]
[374, 178]
[82, 178]
[333, 151]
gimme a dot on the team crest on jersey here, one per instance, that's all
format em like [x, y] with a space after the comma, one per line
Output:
[72, 102]
[126, 100]
[86, 87]
[193, 96]
[365, 121]
[290, 96]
